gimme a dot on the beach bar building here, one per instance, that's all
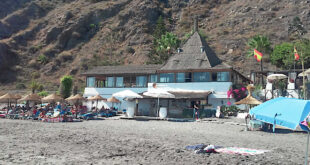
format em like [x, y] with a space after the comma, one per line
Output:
[193, 73]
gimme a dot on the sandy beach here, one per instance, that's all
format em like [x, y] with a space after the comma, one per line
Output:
[113, 141]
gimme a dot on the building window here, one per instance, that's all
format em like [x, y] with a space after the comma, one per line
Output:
[109, 82]
[90, 81]
[201, 76]
[119, 82]
[222, 76]
[180, 77]
[166, 77]
[188, 77]
[141, 81]
[153, 78]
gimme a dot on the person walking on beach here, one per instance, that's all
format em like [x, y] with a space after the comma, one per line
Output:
[196, 110]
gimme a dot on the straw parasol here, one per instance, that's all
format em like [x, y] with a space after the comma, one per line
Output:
[76, 99]
[113, 100]
[18, 96]
[250, 100]
[97, 98]
[31, 97]
[8, 98]
[52, 98]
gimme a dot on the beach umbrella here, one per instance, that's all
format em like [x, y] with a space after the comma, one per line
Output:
[249, 100]
[8, 98]
[127, 94]
[305, 73]
[97, 98]
[285, 112]
[305, 124]
[276, 77]
[157, 93]
[113, 100]
[76, 99]
[31, 97]
[52, 98]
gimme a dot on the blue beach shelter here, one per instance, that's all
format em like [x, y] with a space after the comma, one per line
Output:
[285, 112]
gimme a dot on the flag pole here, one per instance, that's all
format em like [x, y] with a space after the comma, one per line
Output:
[303, 76]
[307, 149]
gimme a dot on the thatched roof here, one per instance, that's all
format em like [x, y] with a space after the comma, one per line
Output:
[97, 97]
[31, 97]
[52, 98]
[113, 100]
[123, 69]
[191, 56]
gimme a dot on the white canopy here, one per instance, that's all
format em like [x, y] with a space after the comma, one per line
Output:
[127, 94]
[305, 73]
[276, 77]
[158, 93]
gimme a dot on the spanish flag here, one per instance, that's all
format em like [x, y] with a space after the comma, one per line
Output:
[296, 54]
[258, 55]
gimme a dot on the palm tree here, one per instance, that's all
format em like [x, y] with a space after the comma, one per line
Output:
[263, 45]
[34, 86]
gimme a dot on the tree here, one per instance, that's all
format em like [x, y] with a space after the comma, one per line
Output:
[160, 28]
[34, 86]
[166, 45]
[66, 83]
[262, 44]
[283, 55]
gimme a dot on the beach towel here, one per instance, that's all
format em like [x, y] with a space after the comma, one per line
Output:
[240, 151]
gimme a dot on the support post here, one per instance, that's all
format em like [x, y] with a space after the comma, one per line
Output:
[307, 149]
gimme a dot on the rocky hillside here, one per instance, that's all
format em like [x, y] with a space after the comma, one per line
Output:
[46, 39]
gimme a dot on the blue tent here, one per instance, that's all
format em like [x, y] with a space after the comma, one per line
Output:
[286, 112]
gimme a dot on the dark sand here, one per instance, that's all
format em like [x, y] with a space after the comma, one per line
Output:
[141, 142]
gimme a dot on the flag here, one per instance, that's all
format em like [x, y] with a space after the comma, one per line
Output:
[296, 54]
[258, 55]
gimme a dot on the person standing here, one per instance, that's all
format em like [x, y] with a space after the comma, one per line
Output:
[196, 110]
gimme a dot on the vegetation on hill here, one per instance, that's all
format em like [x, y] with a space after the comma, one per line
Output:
[53, 38]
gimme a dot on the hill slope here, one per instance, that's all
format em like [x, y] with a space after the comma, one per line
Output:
[46, 39]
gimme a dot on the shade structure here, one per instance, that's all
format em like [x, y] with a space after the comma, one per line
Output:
[285, 112]
[305, 73]
[76, 97]
[31, 97]
[276, 77]
[97, 98]
[17, 96]
[250, 100]
[158, 93]
[127, 94]
[113, 100]
[8, 97]
[52, 98]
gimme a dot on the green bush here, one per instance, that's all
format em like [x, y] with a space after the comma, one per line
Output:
[43, 93]
[66, 83]
[43, 59]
